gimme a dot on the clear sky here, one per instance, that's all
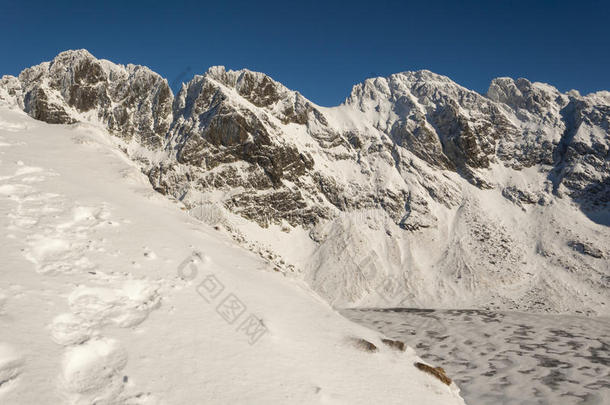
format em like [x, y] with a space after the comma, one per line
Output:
[323, 48]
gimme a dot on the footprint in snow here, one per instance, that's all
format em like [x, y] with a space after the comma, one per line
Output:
[55, 254]
[12, 126]
[22, 170]
[83, 218]
[33, 179]
[14, 191]
[11, 366]
[61, 247]
[69, 329]
[92, 372]
[126, 307]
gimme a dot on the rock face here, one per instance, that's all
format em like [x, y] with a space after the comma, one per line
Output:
[227, 128]
[11, 94]
[440, 122]
[566, 131]
[129, 100]
[461, 198]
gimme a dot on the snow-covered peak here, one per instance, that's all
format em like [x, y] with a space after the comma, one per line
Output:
[73, 54]
[256, 87]
[537, 98]
[424, 75]
[10, 92]
[600, 97]
[131, 100]
[422, 84]
[72, 58]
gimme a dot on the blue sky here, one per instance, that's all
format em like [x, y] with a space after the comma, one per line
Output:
[323, 48]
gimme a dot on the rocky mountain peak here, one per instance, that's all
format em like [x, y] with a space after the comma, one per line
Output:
[11, 93]
[537, 98]
[131, 101]
[262, 91]
[422, 84]
[441, 122]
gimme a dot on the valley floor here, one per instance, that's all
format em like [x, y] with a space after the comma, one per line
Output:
[507, 358]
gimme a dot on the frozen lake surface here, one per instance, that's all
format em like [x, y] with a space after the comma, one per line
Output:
[506, 357]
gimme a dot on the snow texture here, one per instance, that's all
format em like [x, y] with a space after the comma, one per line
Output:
[111, 294]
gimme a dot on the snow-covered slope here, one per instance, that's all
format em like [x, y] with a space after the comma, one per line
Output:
[111, 294]
[414, 192]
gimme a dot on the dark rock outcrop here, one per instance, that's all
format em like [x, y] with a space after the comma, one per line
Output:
[131, 101]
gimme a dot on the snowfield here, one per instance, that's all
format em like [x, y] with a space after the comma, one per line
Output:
[111, 294]
[508, 358]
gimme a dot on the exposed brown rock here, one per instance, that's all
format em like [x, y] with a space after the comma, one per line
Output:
[395, 344]
[365, 345]
[437, 372]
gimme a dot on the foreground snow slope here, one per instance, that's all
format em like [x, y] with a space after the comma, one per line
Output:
[95, 306]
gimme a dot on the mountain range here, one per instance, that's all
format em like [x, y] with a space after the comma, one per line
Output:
[414, 192]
